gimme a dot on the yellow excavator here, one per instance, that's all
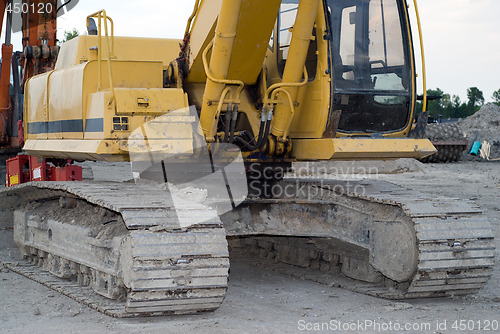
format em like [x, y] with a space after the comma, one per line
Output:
[255, 86]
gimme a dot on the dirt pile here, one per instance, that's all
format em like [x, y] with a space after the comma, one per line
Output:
[484, 126]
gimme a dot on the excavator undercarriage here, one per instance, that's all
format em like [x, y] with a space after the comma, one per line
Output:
[124, 242]
[399, 240]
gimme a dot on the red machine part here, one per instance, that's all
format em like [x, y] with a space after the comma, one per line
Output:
[68, 173]
[40, 51]
[18, 170]
[39, 38]
[5, 104]
[39, 169]
[25, 168]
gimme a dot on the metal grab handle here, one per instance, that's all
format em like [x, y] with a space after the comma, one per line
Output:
[110, 48]
[210, 77]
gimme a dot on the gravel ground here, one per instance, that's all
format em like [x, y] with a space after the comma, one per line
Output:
[262, 301]
[484, 125]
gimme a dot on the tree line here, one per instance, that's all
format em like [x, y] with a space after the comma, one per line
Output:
[450, 106]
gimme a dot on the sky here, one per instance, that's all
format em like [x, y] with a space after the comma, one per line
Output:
[461, 37]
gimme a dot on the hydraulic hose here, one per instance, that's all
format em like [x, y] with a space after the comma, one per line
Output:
[228, 123]
[248, 145]
[264, 130]
[234, 119]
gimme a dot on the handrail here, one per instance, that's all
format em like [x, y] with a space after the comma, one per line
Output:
[283, 85]
[190, 20]
[424, 75]
[221, 101]
[100, 15]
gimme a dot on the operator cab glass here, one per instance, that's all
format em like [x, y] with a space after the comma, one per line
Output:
[372, 73]
[371, 62]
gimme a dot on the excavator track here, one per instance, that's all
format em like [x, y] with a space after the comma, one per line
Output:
[388, 241]
[125, 243]
[450, 142]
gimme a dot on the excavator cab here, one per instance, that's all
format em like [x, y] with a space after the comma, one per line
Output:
[372, 71]
[371, 62]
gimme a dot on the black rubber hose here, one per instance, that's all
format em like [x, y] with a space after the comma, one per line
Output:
[260, 139]
[262, 132]
[249, 135]
[245, 144]
[227, 123]
[234, 119]
[268, 128]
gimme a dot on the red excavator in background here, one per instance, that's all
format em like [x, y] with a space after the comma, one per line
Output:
[40, 50]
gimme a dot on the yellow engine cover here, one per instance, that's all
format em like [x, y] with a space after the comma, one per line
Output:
[68, 113]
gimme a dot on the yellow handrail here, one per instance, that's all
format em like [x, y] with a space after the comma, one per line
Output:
[424, 75]
[283, 85]
[190, 20]
[221, 101]
[100, 15]
[221, 81]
